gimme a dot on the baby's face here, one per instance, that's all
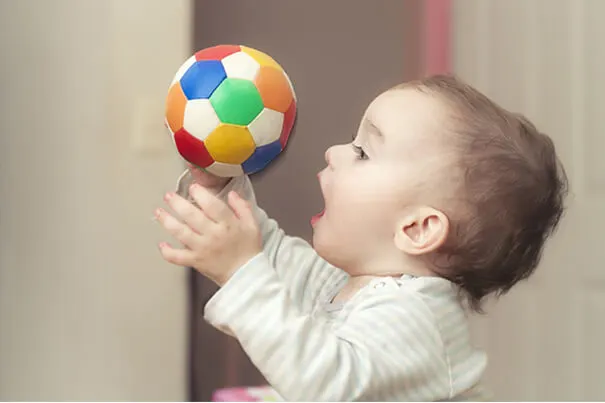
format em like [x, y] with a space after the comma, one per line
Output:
[384, 175]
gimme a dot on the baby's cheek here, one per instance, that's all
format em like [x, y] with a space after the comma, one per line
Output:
[358, 222]
[379, 222]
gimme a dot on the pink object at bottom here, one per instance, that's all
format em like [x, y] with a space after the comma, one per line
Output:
[246, 394]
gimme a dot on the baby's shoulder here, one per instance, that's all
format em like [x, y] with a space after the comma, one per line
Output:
[429, 311]
[436, 298]
[432, 291]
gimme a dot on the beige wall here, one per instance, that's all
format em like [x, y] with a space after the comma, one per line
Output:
[546, 59]
[87, 309]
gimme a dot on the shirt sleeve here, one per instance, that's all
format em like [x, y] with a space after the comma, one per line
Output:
[388, 345]
[302, 270]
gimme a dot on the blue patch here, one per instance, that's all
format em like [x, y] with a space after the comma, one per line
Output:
[261, 157]
[202, 78]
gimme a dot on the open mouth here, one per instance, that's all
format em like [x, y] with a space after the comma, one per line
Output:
[317, 217]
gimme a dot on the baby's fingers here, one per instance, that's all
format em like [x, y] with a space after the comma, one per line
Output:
[182, 232]
[187, 211]
[180, 257]
[213, 207]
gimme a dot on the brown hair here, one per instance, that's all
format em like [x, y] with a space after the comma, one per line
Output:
[513, 191]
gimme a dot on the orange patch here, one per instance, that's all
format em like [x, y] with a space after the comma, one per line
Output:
[274, 88]
[175, 107]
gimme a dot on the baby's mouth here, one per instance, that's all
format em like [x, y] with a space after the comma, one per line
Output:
[317, 217]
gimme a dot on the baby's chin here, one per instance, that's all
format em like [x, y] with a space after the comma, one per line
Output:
[318, 245]
[328, 251]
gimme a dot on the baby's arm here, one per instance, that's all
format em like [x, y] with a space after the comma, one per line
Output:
[297, 264]
[388, 345]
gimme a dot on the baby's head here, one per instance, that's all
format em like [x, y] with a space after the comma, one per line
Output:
[439, 180]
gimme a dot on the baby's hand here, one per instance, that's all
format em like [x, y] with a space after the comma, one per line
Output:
[206, 179]
[218, 240]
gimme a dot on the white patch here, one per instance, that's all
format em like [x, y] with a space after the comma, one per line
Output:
[266, 127]
[225, 170]
[200, 118]
[183, 69]
[241, 65]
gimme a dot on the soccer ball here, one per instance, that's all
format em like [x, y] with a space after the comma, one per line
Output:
[230, 110]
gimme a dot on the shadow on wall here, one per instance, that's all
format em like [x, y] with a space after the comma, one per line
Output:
[339, 55]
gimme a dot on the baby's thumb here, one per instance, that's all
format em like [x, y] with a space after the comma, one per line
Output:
[241, 207]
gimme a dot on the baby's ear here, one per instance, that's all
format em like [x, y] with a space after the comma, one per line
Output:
[421, 230]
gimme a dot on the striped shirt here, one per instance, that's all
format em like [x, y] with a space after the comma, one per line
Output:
[397, 339]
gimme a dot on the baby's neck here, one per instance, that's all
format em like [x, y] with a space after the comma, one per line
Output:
[405, 265]
[352, 287]
[357, 282]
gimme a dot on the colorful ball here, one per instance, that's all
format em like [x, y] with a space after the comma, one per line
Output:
[230, 110]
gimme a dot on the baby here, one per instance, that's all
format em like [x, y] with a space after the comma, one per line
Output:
[442, 199]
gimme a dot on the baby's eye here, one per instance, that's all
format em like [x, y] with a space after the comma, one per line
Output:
[361, 154]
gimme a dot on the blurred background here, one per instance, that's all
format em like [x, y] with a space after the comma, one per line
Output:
[89, 311]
